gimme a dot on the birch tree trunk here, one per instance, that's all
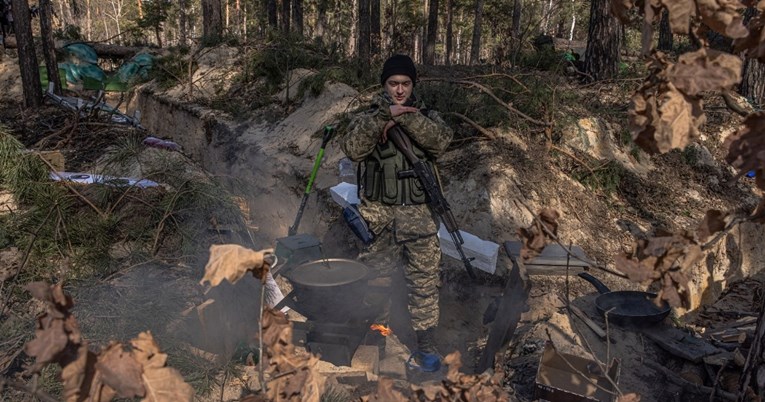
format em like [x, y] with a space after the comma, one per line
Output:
[88, 22]
[30, 74]
[475, 47]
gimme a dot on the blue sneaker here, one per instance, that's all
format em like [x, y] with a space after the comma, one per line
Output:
[427, 362]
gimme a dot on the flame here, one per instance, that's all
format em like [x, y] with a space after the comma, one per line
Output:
[384, 331]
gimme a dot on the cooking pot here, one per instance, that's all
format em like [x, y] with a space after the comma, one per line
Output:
[627, 307]
[330, 290]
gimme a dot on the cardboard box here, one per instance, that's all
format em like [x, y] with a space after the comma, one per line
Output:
[484, 252]
[557, 381]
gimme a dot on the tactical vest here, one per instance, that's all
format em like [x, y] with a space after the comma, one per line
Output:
[388, 176]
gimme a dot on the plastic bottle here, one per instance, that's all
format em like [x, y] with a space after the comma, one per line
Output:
[347, 173]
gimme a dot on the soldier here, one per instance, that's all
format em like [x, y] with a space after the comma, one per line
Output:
[395, 208]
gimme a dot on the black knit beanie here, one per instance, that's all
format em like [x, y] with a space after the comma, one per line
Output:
[398, 64]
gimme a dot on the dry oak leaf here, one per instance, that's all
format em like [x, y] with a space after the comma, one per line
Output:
[162, 384]
[536, 236]
[120, 371]
[753, 45]
[631, 397]
[681, 13]
[746, 148]
[663, 118]
[714, 221]
[232, 262]
[82, 382]
[705, 70]
[50, 340]
[723, 16]
[636, 270]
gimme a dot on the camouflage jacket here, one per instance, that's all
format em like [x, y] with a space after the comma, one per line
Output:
[428, 131]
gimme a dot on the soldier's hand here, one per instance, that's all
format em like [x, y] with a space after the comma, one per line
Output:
[398, 110]
[384, 135]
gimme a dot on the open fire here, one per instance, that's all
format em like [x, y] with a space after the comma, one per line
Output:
[382, 329]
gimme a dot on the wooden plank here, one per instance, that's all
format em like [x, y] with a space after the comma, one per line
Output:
[679, 343]
[589, 322]
[551, 255]
[511, 305]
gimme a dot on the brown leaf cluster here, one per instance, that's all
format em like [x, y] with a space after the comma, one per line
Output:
[115, 371]
[455, 387]
[722, 16]
[535, 237]
[666, 260]
[661, 116]
[232, 262]
[294, 377]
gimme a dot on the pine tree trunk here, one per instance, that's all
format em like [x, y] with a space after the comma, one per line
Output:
[604, 40]
[475, 46]
[449, 31]
[212, 21]
[353, 40]
[374, 27]
[430, 39]
[182, 22]
[286, 16]
[321, 19]
[272, 20]
[753, 82]
[665, 33]
[297, 16]
[30, 74]
[516, 27]
[49, 48]
[364, 33]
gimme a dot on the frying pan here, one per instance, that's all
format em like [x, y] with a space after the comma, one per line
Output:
[629, 307]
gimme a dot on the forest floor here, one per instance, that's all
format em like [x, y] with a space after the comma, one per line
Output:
[489, 182]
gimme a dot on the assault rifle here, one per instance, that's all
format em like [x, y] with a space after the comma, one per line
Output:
[435, 197]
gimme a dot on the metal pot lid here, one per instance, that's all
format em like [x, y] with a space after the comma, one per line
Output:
[328, 272]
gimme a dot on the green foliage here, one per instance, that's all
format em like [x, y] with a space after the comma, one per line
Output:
[606, 178]
[173, 68]
[545, 59]
[82, 224]
[286, 53]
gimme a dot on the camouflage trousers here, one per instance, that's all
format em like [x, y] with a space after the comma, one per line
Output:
[406, 235]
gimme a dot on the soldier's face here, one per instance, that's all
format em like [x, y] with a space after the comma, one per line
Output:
[399, 87]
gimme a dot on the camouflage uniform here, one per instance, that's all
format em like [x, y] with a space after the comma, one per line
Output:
[408, 231]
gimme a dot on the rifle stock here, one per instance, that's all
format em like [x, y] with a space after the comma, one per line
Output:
[436, 200]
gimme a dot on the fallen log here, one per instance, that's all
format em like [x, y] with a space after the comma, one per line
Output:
[689, 386]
